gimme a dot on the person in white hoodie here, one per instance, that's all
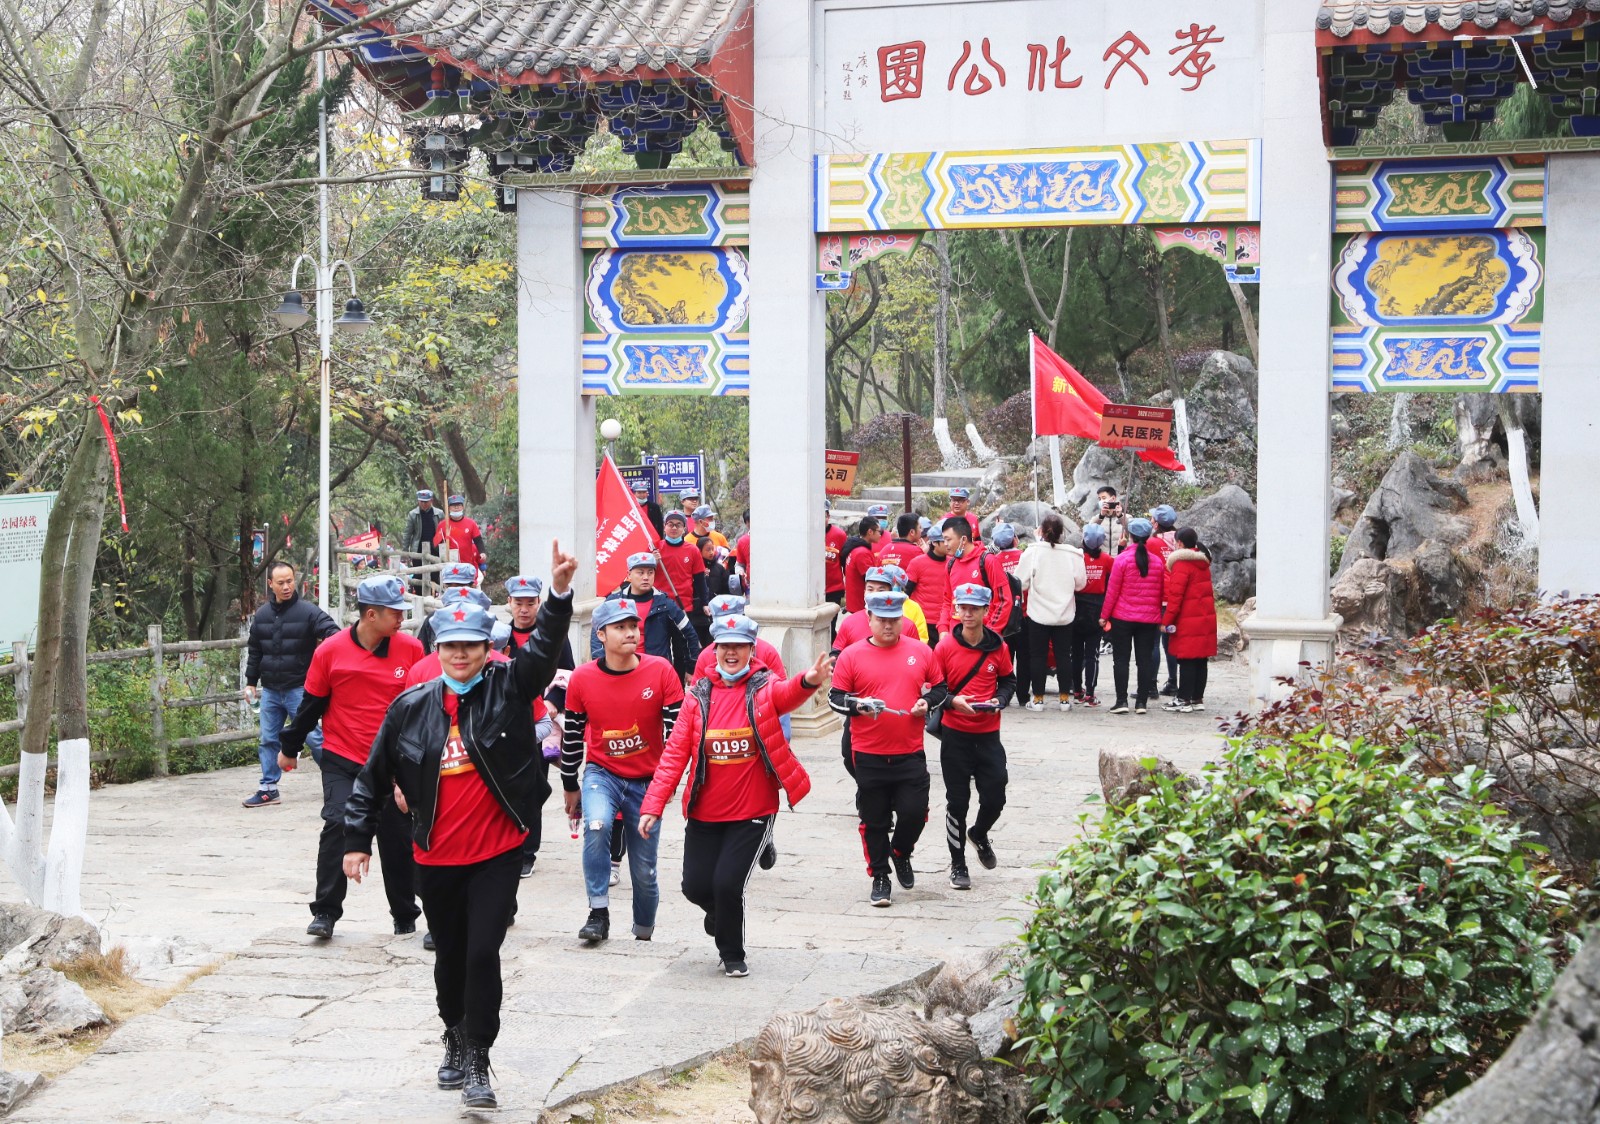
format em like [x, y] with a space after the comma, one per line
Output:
[1051, 572]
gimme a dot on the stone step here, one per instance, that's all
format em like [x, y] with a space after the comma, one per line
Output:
[895, 495]
[943, 481]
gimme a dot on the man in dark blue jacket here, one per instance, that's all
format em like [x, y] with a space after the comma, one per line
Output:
[667, 631]
[283, 635]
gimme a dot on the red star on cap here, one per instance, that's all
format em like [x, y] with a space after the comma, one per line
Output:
[459, 614]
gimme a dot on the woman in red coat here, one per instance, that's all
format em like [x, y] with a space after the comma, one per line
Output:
[729, 730]
[1190, 619]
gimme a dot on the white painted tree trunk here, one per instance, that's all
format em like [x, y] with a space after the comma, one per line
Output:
[1180, 427]
[1521, 488]
[25, 856]
[69, 831]
[1058, 482]
[1400, 423]
[951, 455]
[975, 439]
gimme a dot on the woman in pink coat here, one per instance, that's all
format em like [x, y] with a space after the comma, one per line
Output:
[1132, 614]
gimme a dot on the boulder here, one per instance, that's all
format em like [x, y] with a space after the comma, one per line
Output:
[1234, 581]
[31, 937]
[1232, 643]
[1371, 597]
[14, 1087]
[1221, 406]
[1124, 777]
[964, 985]
[851, 1061]
[46, 1002]
[1025, 517]
[1226, 522]
[1477, 418]
[1413, 505]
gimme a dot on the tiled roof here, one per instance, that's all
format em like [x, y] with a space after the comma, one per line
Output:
[516, 36]
[1378, 17]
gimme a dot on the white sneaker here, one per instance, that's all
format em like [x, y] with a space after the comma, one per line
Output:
[1036, 707]
[1066, 704]
[1174, 705]
[616, 873]
[1193, 708]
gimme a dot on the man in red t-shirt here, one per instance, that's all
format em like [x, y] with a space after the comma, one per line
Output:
[619, 712]
[928, 582]
[354, 676]
[860, 555]
[967, 563]
[981, 681]
[885, 688]
[960, 503]
[741, 557]
[833, 540]
[683, 571]
[460, 536]
[900, 550]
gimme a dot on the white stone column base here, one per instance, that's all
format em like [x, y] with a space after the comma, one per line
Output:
[582, 622]
[801, 635]
[1280, 649]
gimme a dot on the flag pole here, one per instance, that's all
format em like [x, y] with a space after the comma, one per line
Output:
[1033, 412]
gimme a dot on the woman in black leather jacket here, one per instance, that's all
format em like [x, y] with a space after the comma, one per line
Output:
[462, 751]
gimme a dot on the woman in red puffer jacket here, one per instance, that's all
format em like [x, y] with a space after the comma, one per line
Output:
[1132, 614]
[729, 731]
[1190, 619]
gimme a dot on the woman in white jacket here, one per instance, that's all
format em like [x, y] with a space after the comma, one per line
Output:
[1052, 573]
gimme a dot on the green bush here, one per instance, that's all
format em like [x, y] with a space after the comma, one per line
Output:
[1313, 933]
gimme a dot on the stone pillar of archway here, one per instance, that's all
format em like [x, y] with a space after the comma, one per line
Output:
[1569, 461]
[555, 423]
[1293, 624]
[787, 390]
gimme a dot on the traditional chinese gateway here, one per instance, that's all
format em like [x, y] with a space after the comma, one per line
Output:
[1235, 128]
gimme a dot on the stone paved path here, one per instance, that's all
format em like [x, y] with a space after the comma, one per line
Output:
[346, 1031]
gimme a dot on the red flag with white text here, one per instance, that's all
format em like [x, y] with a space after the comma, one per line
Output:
[620, 528]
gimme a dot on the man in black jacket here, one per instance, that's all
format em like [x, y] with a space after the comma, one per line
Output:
[462, 752]
[283, 635]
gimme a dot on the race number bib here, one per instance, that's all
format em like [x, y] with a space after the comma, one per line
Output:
[623, 743]
[455, 759]
[729, 747]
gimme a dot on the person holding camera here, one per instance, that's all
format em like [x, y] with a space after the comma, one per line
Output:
[1112, 519]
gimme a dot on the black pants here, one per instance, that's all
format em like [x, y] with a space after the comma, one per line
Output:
[1084, 673]
[967, 760]
[1192, 679]
[1172, 663]
[1021, 648]
[1139, 640]
[533, 810]
[467, 908]
[892, 801]
[394, 846]
[1048, 638]
[933, 634]
[835, 598]
[718, 860]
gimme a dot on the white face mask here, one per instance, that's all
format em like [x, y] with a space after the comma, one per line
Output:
[458, 513]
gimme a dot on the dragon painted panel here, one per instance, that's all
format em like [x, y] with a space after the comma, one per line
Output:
[687, 215]
[667, 321]
[1205, 182]
[1438, 311]
[1488, 193]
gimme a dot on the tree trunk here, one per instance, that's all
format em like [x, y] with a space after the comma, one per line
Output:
[471, 483]
[1248, 318]
[1399, 423]
[949, 453]
[1169, 360]
[1521, 488]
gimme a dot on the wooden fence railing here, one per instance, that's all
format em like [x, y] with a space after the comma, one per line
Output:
[158, 651]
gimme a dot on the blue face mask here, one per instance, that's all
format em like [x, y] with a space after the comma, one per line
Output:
[459, 687]
[733, 676]
[675, 541]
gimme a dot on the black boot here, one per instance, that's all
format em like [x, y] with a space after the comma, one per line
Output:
[477, 1092]
[452, 1072]
[597, 928]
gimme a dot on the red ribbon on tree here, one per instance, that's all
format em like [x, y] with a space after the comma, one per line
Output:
[116, 459]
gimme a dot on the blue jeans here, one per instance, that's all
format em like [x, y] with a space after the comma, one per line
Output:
[604, 795]
[277, 708]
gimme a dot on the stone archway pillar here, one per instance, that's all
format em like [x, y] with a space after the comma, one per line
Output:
[1569, 459]
[555, 423]
[787, 385]
[1293, 624]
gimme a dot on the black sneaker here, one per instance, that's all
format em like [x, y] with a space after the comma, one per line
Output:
[959, 878]
[735, 969]
[1121, 707]
[427, 942]
[903, 871]
[476, 1092]
[452, 1071]
[405, 928]
[597, 928]
[769, 856]
[1139, 708]
[527, 866]
[1169, 690]
[985, 849]
[880, 890]
[321, 927]
[261, 799]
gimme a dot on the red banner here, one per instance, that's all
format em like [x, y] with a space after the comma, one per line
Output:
[1066, 404]
[116, 458]
[620, 528]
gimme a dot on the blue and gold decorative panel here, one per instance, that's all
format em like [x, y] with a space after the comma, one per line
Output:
[1481, 193]
[667, 321]
[1205, 182]
[1448, 312]
[690, 215]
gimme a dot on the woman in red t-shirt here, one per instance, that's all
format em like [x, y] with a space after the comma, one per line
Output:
[732, 796]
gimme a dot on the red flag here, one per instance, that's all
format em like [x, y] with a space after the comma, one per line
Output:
[1069, 405]
[620, 528]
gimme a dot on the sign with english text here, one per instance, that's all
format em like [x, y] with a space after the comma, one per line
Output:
[23, 519]
[680, 475]
[1014, 74]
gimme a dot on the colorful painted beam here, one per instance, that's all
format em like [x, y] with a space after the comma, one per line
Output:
[1487, 193]
[1236, 247]
[685, 215]
[1117, 185]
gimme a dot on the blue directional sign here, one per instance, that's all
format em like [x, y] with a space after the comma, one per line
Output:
[680, 474]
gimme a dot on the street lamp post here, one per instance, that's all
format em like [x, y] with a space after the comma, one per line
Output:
[611, 429]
